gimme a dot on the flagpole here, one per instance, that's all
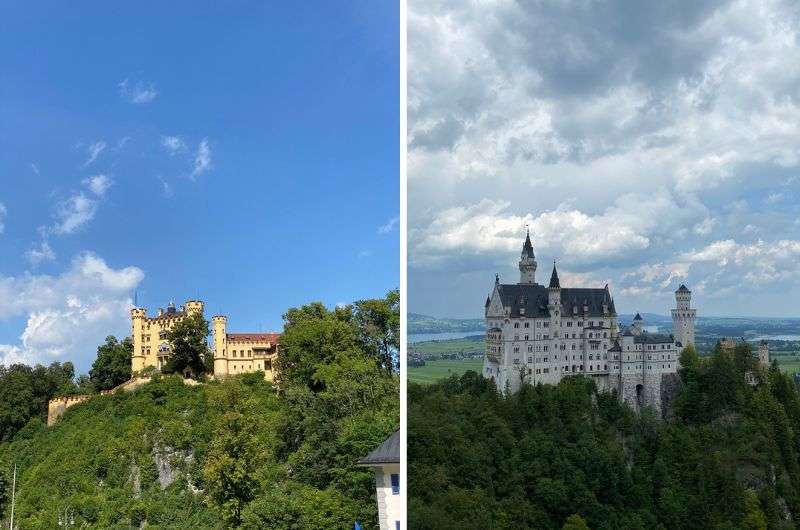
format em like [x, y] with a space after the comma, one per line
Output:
[13, 493]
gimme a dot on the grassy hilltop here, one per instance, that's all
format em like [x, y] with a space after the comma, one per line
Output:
[230, 454]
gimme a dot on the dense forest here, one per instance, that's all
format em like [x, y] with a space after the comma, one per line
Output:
[237, 453]
[566, 456]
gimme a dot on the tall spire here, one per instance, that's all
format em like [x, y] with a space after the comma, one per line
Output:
[554, 283]
[527, 247]
[527, 262]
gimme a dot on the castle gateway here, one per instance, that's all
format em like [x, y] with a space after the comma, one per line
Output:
[537, 334]
[234, 353]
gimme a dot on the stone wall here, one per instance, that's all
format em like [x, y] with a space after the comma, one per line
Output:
[57, 406]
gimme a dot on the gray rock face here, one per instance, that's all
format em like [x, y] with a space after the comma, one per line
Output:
[169, 463]
[670, 388]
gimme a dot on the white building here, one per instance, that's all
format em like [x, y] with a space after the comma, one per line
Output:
[385, 462]
[537, 334]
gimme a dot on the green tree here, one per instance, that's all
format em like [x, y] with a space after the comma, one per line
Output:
[188, 346]
[378, 322]
[575, 522]
[112, 366]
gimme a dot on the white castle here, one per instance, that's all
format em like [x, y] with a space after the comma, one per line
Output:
[537, 334]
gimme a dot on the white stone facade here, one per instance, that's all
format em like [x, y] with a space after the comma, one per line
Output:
[537, 334]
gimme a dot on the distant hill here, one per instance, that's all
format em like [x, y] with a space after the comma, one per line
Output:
[706, 325]
[418, 323]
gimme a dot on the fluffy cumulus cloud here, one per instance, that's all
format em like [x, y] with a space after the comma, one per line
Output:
[623, 135]
[67, 312]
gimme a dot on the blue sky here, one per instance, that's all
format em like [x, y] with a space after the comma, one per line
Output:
[247, 155]
[646, 144]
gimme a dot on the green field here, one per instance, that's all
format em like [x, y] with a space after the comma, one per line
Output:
[788, 363]
[466, 346]
[435, 370]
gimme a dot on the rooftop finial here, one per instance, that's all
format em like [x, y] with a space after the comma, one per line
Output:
[497, 278]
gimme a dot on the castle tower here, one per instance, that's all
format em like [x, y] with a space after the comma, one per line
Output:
[220, 339]
[137, 324]
[527, 262]
[683, 317]
[193, 306]
[763, 354]
[554, 289]
[637, 324]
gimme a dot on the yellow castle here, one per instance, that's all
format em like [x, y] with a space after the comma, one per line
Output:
[234, 353]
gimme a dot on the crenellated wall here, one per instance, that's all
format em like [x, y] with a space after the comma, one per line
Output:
[57, 406]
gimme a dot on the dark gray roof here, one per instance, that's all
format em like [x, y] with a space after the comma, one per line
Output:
[527, 247]
[488, 301]
[638, 317]
[653, 338]
[615, 347]
[683, 289]
[386, 453]
[534, 299]
[554, 283]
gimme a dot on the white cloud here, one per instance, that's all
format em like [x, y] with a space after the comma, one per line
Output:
[173, 144]
[74, 213]
[98, 184]
[34, 168]
[138, 92]
[362, 254]
[389, 226]
[93, 151]
[43, 252]
[202, 159]
[68, 314]
[632, 223]
[566, 120]
[166, 188]
[3, 212]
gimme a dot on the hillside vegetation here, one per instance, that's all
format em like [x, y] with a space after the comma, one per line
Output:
[236, 453]
[566, 456]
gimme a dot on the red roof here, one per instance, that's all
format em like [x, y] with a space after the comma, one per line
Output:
[268, 337]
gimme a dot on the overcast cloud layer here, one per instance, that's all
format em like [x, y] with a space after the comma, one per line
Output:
[645, 144]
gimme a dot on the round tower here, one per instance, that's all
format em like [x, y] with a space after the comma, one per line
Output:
[220, 323]
[683, 317]
[137, 324]
[527, 262]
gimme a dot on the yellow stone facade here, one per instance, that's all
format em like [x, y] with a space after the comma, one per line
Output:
[234, 353]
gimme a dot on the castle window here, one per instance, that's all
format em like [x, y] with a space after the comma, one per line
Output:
[527, 324]
[569, 324]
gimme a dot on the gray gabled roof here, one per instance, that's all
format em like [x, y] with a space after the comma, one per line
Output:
[653, 338]
[533, 298]
[683, 289]
[386, 453]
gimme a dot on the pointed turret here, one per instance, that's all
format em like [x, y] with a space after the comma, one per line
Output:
[527, 247]
[554, 283]
[527, 262]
